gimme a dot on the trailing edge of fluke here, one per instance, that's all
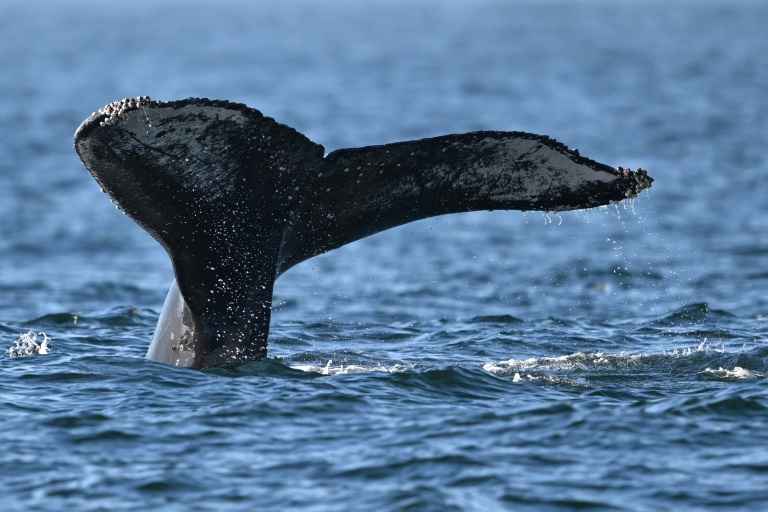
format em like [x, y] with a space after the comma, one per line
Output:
[236, 199]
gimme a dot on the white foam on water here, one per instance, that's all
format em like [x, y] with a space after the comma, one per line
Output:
[736, 373]
[546, 369]
[28, 345]
[578, 360]
[331, 369]
[581, 365]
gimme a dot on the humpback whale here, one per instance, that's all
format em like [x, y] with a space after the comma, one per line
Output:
[236, 199]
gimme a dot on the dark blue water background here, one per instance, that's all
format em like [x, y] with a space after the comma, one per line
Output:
[614, 359]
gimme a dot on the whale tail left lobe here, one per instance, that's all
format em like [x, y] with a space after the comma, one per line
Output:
[209, 180]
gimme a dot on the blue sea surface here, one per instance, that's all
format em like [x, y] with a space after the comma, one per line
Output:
[610, 359]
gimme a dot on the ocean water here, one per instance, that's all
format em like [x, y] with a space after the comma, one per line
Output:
[613, 359]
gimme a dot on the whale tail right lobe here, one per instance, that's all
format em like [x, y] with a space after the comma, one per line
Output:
[237, 198]
[362, 191]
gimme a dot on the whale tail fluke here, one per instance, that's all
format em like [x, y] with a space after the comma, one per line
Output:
[237, 198]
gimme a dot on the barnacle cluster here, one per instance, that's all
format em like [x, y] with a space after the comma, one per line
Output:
[639, 180]
[117, 108]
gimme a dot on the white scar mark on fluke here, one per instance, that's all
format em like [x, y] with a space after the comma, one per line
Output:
[236, 199]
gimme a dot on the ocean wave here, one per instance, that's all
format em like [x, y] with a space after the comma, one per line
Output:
[703, 362]
[113, 317]
[698, 312]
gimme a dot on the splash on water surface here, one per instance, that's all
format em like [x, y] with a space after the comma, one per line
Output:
[28, 345]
